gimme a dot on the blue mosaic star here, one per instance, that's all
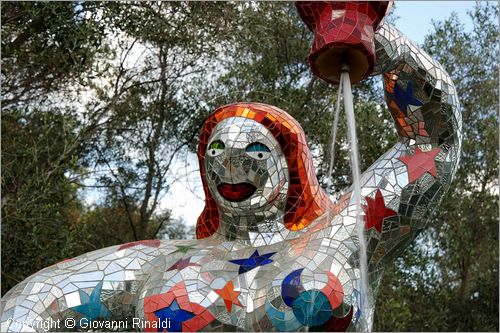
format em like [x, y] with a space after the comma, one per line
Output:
[253, 261]
[92, 307]
[173, 316]
[403, 98]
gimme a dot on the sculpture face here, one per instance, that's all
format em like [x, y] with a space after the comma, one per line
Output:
[257, 173]
[246, 168]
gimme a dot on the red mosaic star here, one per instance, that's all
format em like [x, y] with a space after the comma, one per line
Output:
[229, 295]
[420, 163]
[202, 316]
[147, 242]
[181, 264]
[376, 212]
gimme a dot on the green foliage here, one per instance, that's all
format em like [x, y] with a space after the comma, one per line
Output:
[178, 229]
[124, 78]
[112, 221]
[44, 45]
[40, 207]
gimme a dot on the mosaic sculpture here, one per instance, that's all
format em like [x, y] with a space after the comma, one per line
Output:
[273, 251]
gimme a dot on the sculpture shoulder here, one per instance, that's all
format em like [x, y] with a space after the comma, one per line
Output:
[64, 288]
[126, 262]
[119, 263]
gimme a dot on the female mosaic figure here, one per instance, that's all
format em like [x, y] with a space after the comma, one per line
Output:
[273, 252]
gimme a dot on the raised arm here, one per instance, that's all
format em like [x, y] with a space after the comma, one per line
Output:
[406, 183]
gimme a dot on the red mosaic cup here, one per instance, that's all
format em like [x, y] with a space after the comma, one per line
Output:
[344, 33]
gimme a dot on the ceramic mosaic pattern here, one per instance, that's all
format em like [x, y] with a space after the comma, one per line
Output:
[273, 252]
[341, 25]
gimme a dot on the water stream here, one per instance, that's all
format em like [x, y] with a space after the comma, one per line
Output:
[335, 126]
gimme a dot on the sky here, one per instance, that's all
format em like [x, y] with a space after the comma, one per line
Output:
[185, 196]
[415, 17]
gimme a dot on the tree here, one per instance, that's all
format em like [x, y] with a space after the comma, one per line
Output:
[73, 107]
[40, 207]
[178, 229]
[150, 116]
[45, 46]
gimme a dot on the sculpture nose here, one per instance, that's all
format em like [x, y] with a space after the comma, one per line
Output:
[235, 170]
[232, 166]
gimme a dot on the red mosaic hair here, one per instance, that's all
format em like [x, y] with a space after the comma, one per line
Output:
[306, 200]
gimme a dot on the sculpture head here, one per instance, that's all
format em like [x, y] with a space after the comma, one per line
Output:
[245, 167]
[254, 163]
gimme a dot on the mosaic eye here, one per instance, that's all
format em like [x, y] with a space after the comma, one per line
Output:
[258, 150]
[216, 148]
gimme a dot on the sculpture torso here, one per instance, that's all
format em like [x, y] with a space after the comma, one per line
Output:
[230, 285]
[243, 287]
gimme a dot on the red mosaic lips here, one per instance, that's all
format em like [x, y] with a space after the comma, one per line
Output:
[236, 192]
